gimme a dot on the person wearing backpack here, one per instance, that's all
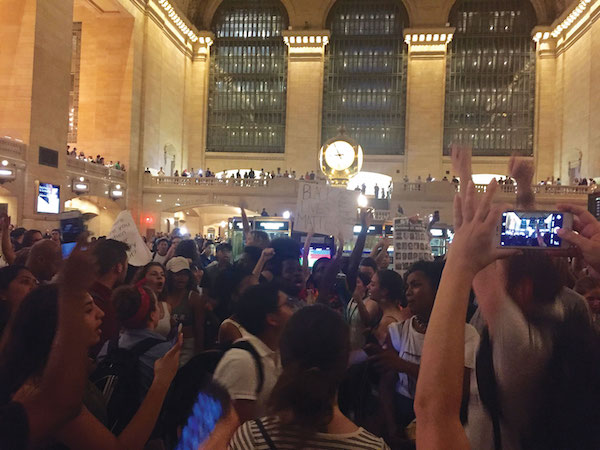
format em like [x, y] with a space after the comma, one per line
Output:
[138, 312]
[31, 341]
[263, 311]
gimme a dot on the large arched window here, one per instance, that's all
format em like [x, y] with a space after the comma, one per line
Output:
[365, 74]
[490, 79]
[246, 110]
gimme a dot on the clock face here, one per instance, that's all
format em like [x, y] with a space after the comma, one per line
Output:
[339, 155]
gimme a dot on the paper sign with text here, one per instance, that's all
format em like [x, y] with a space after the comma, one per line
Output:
[325, 210]
[124, 230]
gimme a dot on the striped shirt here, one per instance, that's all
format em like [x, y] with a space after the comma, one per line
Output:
[248, 437]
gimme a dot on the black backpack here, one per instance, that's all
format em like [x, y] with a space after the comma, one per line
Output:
[192, 378]
[117, 376]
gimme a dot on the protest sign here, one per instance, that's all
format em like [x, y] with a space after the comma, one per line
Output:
[326, 210]
[124, 230]
[411, 243]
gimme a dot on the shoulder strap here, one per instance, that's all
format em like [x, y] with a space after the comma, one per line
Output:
[247, 346]
[143, 346]
[263, 431]
[488, 385]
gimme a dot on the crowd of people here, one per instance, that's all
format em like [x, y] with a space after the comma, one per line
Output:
[483, 348]
[94, 160]
[250, 174]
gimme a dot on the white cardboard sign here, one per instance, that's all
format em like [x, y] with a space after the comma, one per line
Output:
[326, 210]
[125, 230]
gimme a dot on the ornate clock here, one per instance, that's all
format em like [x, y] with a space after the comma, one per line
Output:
[340, 159]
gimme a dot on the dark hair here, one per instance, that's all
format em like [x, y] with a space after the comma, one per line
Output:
[253, 306]
[17, 233]
[127, 301]
[261, 237]
[431, 269]
[364, 278]
[30, 340]
[540, 269]
[224, 247]
[56, 229]
[285, 248]
[393, 283]
[28, 237]
[315, 347]
[249, 258]
[369, 262]
[109, 253]
[163, 239]
[8, 274]
[143, 271]
[188, 249]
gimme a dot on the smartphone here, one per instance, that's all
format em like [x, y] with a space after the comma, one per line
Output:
[533, 229]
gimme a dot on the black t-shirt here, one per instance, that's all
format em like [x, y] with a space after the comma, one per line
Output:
[14, 426]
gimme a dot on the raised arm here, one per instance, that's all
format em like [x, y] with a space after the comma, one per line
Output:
[265, 256]
[521, 170]
[440, 383]
[328, 283]
[61, 391]
[87, 432]
[586, 236]
[366, 218]
[7, 248]
[245, 222]
[305, 253]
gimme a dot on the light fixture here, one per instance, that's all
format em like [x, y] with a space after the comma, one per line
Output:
[223, 224]
[178, 21]
[362, 201]
[117, 192]
[183, 230]
[6, 173]
[4, 162]
[79, 187]
[287, 214]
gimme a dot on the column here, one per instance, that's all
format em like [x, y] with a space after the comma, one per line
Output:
[545, 129]
[304, 98]
[196, 104]
[36, 38]
[425, 99]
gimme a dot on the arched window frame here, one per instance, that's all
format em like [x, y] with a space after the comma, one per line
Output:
[491, 109]
[248, 78]
[364, 89]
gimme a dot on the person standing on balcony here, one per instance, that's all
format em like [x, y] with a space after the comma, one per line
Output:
[264, 213]
[429, 179]
[176, 174]
[376, 189]
[363, 189]
[161, 172]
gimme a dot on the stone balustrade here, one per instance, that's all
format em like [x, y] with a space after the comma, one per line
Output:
[12, 148]
[85, 168]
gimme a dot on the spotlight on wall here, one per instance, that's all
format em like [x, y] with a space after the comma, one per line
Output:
[117, 192]
[6, 173]
[287, 214]
[80, 186]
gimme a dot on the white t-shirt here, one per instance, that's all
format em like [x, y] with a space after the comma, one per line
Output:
[159, 259]
[237, 372]
[408, 342]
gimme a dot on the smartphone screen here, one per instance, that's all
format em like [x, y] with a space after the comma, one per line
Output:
[532, 229]
[67, 249]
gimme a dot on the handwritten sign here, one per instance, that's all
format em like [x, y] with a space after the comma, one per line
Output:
[124, 230]
[325, 210]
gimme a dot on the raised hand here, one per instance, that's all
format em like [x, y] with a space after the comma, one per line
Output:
[475, 220]
[166, 367]
[587, 238]
[267, 254]
[80, 270]
[461, 162]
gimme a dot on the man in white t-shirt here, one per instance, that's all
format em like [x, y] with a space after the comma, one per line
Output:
[263, 311]
[162, 247]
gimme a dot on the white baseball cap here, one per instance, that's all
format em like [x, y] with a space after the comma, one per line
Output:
[178, 264]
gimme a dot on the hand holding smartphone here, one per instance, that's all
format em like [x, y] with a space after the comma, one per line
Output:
[533, 230]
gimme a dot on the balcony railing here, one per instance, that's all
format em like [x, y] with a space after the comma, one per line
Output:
[95, 169]
[551, 189]
[203, 181]
[12, 148]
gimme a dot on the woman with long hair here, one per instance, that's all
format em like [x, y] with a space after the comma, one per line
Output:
[304, 413]
[152, 275]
